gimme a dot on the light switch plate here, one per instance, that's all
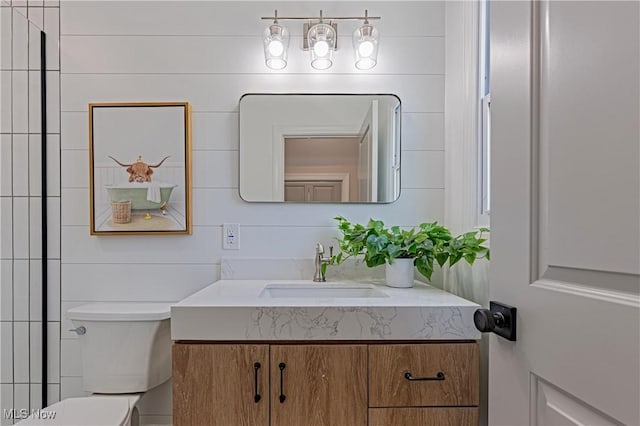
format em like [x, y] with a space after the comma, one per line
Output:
[231, 236]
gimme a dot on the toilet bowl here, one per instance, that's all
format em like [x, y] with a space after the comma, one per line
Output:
[126, 351]
[98, 410]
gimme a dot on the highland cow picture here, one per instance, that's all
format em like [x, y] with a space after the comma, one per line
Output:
[139, 168]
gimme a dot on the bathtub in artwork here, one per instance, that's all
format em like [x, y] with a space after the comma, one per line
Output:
[137, 193]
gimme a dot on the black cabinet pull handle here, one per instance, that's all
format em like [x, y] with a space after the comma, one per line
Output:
[282, 366]
[256, 396]
[409, 376]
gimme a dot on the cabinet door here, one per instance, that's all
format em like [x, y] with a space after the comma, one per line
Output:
[216, 385]
[326, 192]
[295, 192]
[319, 385]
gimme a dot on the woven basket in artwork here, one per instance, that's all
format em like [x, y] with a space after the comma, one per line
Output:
[121, 211]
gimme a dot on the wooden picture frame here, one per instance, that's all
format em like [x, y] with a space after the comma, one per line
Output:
[140, 168]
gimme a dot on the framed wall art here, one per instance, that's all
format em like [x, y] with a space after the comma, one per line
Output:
[140, 168]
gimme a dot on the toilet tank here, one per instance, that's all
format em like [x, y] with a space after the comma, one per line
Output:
[126, 347]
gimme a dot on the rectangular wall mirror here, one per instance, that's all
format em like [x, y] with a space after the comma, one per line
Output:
[327, 148]
[140, 168]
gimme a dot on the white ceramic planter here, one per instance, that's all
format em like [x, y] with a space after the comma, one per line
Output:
[400, 273]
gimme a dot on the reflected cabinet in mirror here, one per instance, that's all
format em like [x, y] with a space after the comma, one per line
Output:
[320, 148]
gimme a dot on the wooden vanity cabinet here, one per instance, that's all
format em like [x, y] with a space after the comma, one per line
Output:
[311, 385]
[326, 384]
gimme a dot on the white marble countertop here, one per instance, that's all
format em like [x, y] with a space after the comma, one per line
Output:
[233, 310]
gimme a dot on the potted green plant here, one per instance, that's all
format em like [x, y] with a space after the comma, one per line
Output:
[403, 249]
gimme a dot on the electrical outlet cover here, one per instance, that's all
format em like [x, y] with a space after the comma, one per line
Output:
[231, 236]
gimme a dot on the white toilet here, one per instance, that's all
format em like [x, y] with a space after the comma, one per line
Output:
[126, 350]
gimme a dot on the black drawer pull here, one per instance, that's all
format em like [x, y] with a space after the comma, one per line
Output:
[256, 396]
[282, 366]
[409, 376]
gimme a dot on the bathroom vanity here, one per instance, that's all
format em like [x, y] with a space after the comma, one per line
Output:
[275, 352]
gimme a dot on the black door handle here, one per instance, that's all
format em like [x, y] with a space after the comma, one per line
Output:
[256, 393]
[439, 376]
[499, 319]
[282, 366]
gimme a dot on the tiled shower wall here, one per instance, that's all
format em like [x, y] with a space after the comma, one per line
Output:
[20, 214]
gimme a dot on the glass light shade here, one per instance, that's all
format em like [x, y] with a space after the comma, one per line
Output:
[322, 44]
[365, 46]
[276, 43]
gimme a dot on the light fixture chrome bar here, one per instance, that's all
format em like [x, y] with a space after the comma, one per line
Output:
[320, 17]
[329, 18]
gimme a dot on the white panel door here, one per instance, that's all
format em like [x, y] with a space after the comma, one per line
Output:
[565, 96]
[368, 156]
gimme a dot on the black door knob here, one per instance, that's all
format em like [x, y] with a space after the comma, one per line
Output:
[487, 321]
[499, 319]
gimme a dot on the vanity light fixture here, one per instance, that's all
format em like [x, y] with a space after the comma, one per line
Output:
[276, 43]
[320, 37]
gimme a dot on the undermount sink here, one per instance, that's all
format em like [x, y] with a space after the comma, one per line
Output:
[321, 290]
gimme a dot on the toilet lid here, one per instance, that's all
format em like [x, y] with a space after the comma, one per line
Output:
[125, 311]
[87, 411]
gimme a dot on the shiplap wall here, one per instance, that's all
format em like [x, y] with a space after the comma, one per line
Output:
[209, 54]
[20, 197]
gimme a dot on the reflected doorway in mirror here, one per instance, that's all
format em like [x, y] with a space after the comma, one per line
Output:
[315, 137]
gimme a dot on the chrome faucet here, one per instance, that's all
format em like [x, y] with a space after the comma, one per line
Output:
[320, 260]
